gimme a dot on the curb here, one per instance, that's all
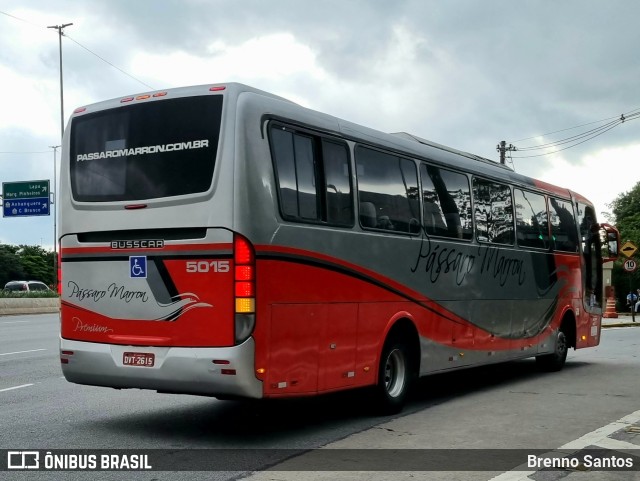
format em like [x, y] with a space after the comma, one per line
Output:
[621, 324]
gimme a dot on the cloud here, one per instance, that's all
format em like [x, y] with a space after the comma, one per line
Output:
[595, 173]
[261, 60]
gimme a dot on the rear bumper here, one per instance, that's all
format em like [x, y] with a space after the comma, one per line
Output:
[176, 369]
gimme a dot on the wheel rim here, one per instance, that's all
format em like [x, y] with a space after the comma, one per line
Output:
[395, 373]
[561, 344]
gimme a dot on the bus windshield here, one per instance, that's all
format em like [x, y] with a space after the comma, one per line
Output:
[145, 151]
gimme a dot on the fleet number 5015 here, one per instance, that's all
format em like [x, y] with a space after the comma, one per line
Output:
[207, 266]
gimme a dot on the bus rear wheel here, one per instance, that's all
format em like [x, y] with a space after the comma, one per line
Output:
[556, 360]
[394, 377]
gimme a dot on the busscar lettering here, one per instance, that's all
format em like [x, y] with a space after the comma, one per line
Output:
[149, 149]
[138, 244]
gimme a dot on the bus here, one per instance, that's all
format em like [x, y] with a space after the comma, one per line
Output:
[223, 241]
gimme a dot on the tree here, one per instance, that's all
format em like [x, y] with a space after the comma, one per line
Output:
[25, 263]
[626, 214]
[10, 266]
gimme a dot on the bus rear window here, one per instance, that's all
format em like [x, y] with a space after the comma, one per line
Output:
[158, 149]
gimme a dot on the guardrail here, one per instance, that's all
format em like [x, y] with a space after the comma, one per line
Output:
[39, 305]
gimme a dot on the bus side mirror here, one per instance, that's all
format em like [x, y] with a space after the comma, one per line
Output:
[612, 242]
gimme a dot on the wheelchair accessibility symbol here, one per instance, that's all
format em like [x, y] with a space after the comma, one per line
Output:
[138, 267]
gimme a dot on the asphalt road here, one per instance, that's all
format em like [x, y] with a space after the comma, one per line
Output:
[506, 406]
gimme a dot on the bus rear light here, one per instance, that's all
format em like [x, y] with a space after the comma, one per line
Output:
[245, 290]
[135, 206]
[59, 273]
[244, 273]
[63, 356]
[218, 88]
[79, 110]
[245, 305]
[143, 97]
[229, 372]
[221, 361]
[242, 251]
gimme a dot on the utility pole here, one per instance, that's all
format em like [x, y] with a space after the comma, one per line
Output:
[59, 28]
[54, 201]
[502, 148]
[60, 33]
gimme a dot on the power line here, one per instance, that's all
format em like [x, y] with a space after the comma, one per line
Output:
[633, 111]
[106, 61]
[22, 20]
[569, 139]
[28, 152]
[82, 46]
[566, 148]
[576, 139]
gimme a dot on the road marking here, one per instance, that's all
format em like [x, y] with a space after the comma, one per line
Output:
[594, 437]
[13, 322]
[599, 438]
[15, 387]
[20, 352]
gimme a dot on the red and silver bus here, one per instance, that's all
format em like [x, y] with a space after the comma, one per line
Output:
[219, 240]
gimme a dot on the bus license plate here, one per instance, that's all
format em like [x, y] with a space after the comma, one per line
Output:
[144, 359]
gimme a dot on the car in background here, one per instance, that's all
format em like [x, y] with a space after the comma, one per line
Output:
[26, 286]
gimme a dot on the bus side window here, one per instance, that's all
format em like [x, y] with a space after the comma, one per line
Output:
[493, 212]
[564, 233]
[532, 220]
[446, 202]
[591, 248]
[282, 144]
[390, 183]
[338, 183]
[313, 177]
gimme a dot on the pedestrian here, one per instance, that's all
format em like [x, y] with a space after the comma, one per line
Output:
[637, 306]
[632, 299]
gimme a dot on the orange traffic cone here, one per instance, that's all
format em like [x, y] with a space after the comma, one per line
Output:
[610, 311]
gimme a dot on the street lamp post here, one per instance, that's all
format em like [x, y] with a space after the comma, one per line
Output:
[54, 201]
[59, 28]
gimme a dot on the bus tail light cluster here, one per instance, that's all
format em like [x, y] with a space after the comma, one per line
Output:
[244, 288]
[64, 356]
[58, 272]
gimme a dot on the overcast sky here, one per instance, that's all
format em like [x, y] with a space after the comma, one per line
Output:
[464, 73]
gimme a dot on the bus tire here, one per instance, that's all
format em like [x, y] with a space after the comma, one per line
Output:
[555, 361]
[395, 377]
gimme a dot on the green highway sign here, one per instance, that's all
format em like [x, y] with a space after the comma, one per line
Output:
[25, 190]
[25, 199]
